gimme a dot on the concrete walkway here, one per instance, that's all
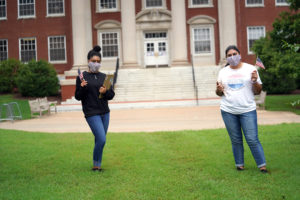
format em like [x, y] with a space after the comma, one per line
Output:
[144, 120]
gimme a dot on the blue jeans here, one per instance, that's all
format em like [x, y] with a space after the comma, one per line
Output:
[248, 123]
[99, 126]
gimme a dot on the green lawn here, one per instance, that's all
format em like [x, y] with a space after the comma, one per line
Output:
[161, 165]
[23, 104]
[282, 103]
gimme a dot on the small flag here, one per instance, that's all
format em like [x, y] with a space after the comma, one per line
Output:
[259, 63]
[80, 74]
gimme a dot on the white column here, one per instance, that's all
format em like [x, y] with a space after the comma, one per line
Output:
[82, 31]
[179, 38]
[128, 33]
[227, 25]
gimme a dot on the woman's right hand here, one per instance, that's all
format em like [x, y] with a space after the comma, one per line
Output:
[83, 83]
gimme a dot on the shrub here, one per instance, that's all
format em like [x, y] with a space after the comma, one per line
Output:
[8, 73]
[37, 79]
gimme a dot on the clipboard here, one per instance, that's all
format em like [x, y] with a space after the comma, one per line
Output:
[108, 81]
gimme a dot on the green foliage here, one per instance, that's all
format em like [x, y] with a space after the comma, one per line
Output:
[163, 165]
[294, 4]
[8, 72]
[37, 79]
[280, 53]
[289, 103]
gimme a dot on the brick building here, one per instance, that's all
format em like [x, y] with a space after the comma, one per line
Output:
[142, 33]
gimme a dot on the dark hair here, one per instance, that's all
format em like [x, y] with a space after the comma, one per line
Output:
[231, 47]
[94, 52]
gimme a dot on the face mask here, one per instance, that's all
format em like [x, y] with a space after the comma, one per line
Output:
[234, 60]
[94, 66]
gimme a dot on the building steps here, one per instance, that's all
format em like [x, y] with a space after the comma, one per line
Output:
[155, 87]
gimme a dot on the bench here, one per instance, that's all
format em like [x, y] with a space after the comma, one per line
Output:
[260, 100]
[40, 105]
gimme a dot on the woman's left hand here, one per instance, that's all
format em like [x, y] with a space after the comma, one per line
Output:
[254, 76]
[102, 90]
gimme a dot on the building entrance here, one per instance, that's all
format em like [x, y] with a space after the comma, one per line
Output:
[156, 49]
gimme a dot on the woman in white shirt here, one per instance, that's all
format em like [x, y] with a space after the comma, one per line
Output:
[237, 84]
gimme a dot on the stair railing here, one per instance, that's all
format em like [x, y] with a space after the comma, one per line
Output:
[194, 80]
[116, 73]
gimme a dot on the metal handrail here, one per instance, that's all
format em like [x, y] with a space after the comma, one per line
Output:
[194, 80]
[116, 73]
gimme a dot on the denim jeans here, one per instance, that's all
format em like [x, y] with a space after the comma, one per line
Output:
[248, 123]
[99, 125]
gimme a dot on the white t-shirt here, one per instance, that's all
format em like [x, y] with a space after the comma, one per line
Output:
[238, 96]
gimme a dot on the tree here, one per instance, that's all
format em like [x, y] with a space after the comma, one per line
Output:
[280, 52]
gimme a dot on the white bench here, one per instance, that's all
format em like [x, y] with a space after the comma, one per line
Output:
[40, 105]
[260, 100]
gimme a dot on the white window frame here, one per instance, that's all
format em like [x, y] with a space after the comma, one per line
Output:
[255, 5]
[248, 32]
[164, 5]
[6, 47]
[101, 10]
[49, 57]
[281, 4]
[56, 14]
[119, 46]
[26, 17]
[20, 57]
[212, 42]
[4, 18]
[210, 4]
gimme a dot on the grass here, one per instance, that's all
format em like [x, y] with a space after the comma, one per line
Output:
[23, 104]
[161, 165]
[282, 103]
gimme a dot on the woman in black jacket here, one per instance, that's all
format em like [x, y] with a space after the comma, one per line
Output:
[94, 99]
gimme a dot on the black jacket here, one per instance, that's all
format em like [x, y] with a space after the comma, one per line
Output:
[89, 94]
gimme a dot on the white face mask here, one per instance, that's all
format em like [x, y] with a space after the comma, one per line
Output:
[94, 66]
[234, 60]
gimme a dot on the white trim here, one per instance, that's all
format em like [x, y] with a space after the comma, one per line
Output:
[6, 47]
[4, 18]
[254, 5]
[211, 38]
[164, 5]
[36, 57]
[248, 45]
[26, 17]
[101, 45]
[209, 5]
[281, 4]
[56, 15]
[49, 57]
[108, 10]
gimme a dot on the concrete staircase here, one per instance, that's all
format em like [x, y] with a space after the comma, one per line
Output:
[160, 87]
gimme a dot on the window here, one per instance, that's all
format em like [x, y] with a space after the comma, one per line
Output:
[3, 50]
[27, 49]
[2, 9]
[202, 40]
[254, 33]
[200, 3]
[26, 8]
[154, 3]
[156, 35]
[55, 7]
[110, 44]
[108, 5]
[254, 3]
[282, 3]
[57, 48]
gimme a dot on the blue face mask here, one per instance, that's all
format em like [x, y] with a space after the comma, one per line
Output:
[234, 60]
[94, 66]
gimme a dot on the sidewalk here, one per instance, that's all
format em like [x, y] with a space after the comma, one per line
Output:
[144, 120]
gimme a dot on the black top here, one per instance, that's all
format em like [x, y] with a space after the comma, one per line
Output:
[89, 94]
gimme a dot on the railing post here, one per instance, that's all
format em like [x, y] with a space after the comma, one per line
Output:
[194, 80]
